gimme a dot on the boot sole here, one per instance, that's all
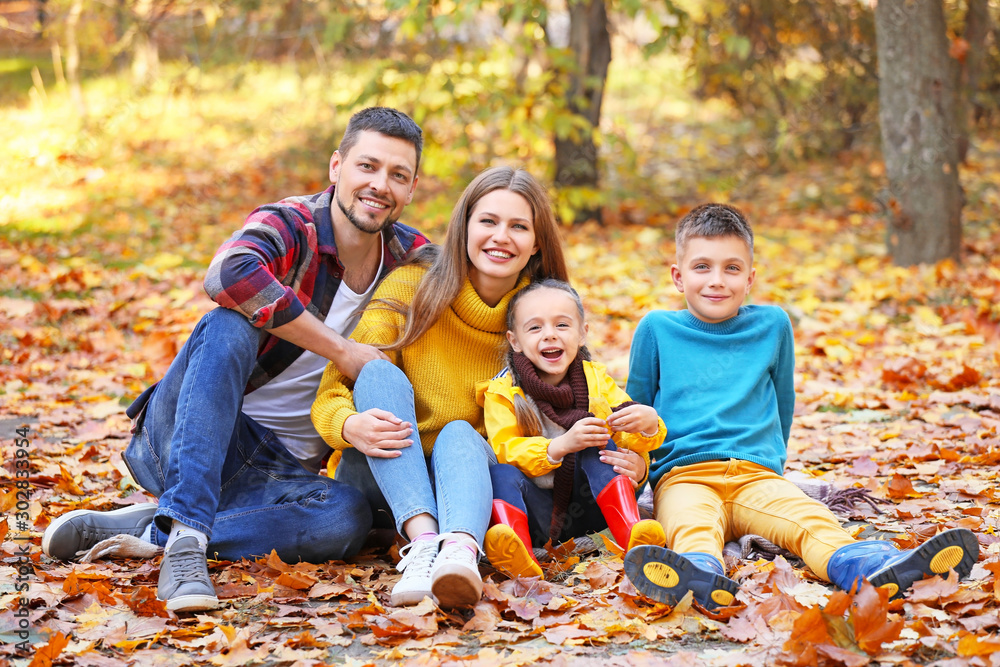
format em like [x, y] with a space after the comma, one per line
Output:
[666, 576]
[956, 549]
[53, 528]
[507, 553]
[647, 532]
[456, 587]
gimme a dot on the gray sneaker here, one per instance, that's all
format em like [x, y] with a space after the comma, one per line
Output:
[80, 530]
[184, 582]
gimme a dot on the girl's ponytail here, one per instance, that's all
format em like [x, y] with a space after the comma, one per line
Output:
[527, 420]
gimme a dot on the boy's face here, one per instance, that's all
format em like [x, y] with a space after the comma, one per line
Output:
[715, 275]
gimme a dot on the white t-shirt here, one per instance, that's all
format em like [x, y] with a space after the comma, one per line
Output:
[283, 404]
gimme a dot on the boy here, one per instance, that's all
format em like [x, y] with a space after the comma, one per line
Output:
[720, 374]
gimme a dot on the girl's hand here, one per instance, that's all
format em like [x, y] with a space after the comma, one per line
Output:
[377, 433]
[626, 463]
[587, 432]
[635, 418]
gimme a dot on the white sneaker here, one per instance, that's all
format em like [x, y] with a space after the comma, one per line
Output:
[455, 578]
[415, 584]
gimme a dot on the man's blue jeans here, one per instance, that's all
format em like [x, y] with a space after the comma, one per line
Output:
[453, 485]
[217, 470]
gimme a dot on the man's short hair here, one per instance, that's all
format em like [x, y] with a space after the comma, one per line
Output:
[390, 122]
[711, 221]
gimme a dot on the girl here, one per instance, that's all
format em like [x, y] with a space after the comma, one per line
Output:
[410, 429]
[549, 417]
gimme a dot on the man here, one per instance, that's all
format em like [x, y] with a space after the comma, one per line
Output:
[225, 440]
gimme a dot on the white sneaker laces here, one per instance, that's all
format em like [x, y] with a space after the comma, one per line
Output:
[419, 555]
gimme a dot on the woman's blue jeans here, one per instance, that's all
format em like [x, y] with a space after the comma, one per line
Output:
[217, 470]
[453, 485]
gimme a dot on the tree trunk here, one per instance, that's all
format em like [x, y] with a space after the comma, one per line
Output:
[576, 153]
[73, 58]
[977, 27]
[919, 131]
[145, 50]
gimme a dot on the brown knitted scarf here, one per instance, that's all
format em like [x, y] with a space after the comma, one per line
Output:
[565, 404]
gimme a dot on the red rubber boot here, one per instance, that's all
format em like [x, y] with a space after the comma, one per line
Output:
[508, 542]
[617, 503]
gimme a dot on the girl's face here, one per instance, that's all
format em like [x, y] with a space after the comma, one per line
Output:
[548, 331]
[501, 241]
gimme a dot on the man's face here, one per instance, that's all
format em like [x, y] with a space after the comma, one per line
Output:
[375, 181]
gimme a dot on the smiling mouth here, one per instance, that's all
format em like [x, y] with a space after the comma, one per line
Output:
[499, 254]
[551, 354]
[373, 204]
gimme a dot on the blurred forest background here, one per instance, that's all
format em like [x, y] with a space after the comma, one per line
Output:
[631, 110]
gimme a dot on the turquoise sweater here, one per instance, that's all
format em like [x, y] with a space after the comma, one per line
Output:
[724, 390]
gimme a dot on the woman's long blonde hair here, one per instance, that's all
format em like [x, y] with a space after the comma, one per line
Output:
[449, 263]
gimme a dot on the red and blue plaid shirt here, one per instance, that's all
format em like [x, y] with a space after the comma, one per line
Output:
[282, 262]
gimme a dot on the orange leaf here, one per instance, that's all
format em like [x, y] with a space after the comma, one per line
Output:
[839, 602]
[902, 373]
[808, 631]
[873, 626]
[77, 585]
[47, 653]
[600, 575]
[968, 377]
[72, 585]
[972, 645]
[274, 562]
[900, 487]
[143, 602]
[958, 49]
[994, 567]
[934, 589]
[300, 581]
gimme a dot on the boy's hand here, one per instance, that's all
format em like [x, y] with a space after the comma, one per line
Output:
[626, 463]
[635, 418]
[586, 432]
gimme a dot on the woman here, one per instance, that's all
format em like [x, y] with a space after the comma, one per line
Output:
[410, 429]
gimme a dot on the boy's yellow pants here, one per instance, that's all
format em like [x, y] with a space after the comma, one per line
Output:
[704, 505]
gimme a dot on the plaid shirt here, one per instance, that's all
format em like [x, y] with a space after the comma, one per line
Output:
[282, 262]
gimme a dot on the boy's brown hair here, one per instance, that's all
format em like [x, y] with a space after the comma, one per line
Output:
[711, 221]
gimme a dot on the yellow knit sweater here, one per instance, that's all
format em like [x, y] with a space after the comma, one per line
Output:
[463, 347]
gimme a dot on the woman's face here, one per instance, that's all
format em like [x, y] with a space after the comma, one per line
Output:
[501, 241]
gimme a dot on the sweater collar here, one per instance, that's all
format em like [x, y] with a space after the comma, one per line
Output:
[713, 327]
[473, 311]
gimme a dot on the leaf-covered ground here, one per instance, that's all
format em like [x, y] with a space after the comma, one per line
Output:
[898, 383]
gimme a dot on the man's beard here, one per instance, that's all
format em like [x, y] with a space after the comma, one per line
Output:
[361, 223]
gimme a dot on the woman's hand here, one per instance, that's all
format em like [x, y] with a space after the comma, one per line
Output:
[377, 433]
[586, 432]
[635, 418]
[626, 462]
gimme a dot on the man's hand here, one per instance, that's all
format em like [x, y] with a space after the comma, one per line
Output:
[309, 333]
[377, 433]
[355, 356]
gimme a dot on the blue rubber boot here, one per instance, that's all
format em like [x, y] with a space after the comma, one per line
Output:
[666, 576]
[885, 566]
